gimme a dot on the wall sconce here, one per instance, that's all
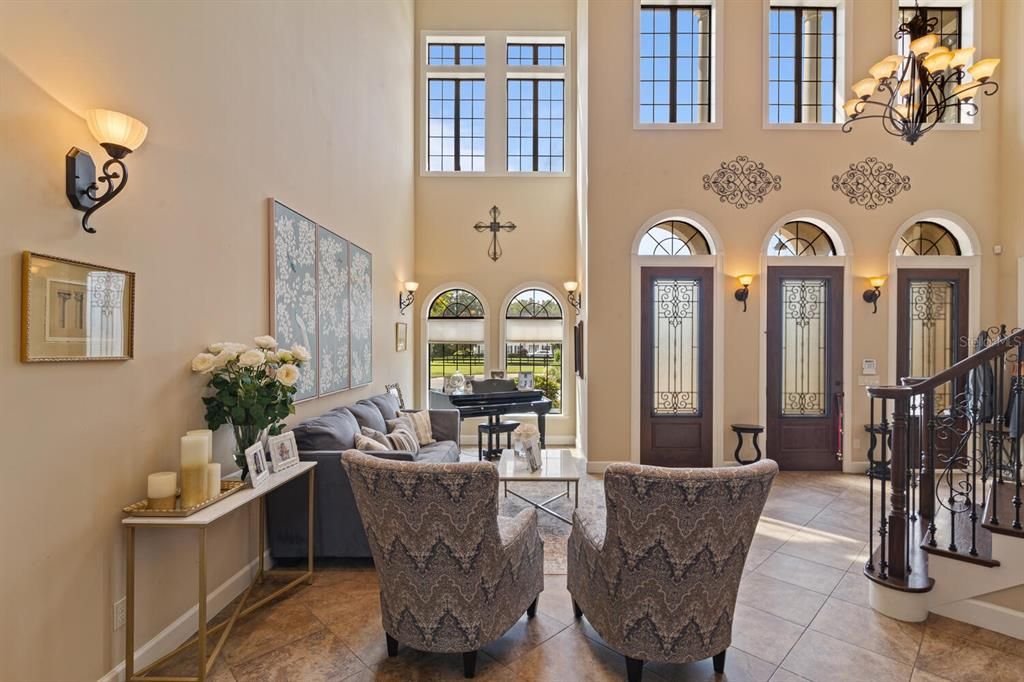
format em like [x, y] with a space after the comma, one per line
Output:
[874, 293]
[575, 299]
[744, 291]
[405, 300]
[120, 135]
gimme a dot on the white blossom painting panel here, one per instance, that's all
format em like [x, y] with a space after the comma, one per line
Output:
[332, 268]
[293, 298]
[361, 297]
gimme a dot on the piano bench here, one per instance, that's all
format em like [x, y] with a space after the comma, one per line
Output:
[494, 432]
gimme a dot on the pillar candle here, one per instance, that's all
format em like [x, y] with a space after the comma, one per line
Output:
[193, 470]
[161, 489]
[213, 479]
[208, 434]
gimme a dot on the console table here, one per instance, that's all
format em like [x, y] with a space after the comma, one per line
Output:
[199, 522]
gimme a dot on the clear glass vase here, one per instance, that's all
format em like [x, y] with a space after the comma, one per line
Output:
[246, 435]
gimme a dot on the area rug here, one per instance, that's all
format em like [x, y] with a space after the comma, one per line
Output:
[553, 531]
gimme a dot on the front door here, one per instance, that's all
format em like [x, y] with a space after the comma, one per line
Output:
[931, 332]
[805, 367]
[676, 366]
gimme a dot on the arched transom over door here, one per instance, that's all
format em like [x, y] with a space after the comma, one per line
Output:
[676, 353]
[804, 350]
[932, 305]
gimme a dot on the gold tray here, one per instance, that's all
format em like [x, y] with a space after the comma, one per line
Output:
[141, 508]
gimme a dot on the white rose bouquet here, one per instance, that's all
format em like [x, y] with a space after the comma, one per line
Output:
[252, 388]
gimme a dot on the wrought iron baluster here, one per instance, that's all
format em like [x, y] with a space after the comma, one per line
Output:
[870, 565]
[1017, 426]
[929, 407]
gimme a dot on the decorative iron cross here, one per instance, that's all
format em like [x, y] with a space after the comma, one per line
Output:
[494, 250]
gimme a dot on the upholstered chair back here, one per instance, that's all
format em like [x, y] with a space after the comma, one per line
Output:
[662, 586]
[433, 531]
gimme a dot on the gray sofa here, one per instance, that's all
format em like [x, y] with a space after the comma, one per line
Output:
[338, 529]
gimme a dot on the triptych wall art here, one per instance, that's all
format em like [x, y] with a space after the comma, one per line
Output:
[321, 297]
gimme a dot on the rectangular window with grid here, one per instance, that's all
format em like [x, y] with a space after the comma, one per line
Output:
[536, 122]
[949, 28]
[535, 54]
[449, 54]
[802, 65]
[455, 135]
[675, 64]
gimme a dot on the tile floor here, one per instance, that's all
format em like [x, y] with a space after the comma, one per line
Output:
[802, 614]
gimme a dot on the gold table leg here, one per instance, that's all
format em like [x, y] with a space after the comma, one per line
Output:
[202, 606]
[129, 626]
[309, 528]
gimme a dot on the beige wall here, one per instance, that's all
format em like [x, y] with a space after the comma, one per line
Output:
[1011, 174]
[244, 102]
[542, 249]
[635, 174]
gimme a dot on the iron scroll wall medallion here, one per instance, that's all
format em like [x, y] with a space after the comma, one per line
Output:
[742, 182]
[871, 183]
[495, 226]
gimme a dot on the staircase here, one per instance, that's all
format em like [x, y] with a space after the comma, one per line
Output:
[945, 505]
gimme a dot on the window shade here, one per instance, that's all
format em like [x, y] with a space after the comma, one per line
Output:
[533, 330]
[455, 330]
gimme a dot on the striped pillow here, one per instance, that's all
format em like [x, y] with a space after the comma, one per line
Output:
[403, 439]
[367, 444]
[417, 423]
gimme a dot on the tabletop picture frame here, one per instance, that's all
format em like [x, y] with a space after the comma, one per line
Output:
[256, 460]
[284, 452]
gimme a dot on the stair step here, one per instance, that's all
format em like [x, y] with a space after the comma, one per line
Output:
[917, 580]
[962, 521]
[1001, 495]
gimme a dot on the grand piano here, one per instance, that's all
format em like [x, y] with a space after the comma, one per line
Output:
[494, 398]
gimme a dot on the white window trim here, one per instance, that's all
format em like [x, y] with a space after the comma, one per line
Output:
[568, 392]
[717, 65]
[970, 35]
[844, 53]
[495, 73]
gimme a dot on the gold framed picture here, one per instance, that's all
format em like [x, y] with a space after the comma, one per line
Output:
[401, 336]
[74, 311]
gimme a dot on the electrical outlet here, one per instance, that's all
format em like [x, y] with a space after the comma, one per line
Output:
[120, 613]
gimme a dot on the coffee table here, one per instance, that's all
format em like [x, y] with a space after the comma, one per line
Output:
[559, 466]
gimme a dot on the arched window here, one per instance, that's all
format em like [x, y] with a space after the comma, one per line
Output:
[533, 342]
[801, 238]
[674, 238]
[455, 337]
[927, 239]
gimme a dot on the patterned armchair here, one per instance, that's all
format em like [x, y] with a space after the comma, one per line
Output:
[658, 578]
[453, 574]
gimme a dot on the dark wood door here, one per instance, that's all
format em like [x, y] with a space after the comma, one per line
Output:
[932, 332]
[805, 366]
[676, 366]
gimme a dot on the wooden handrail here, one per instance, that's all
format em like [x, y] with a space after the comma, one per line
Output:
[956, 371]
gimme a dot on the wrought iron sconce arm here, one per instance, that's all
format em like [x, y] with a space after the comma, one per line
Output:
[83, 187]
[405, 300]
[871, 296]
[743, 293]
[575, 300]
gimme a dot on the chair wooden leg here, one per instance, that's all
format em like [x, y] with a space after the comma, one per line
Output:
[531, 610]
[634, 669]
[469, 664]
[576, 610]
[392, 645]
[719, 662]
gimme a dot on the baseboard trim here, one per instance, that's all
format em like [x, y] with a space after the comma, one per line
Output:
[178, 632]
[985, 615]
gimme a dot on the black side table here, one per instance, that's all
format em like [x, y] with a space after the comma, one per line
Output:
[878, 468]
[755, 430]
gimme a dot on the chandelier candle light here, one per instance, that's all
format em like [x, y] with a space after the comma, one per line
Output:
[912, 93]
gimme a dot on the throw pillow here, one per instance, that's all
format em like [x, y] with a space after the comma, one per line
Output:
[417, 423]
[403, 439]
[367, 444]
[376, 435]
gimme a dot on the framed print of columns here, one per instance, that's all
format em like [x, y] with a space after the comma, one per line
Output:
[322, 298]
[361, 339]
[334, 311]
[293, 292]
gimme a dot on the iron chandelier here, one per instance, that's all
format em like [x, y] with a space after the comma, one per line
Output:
[912, 93]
